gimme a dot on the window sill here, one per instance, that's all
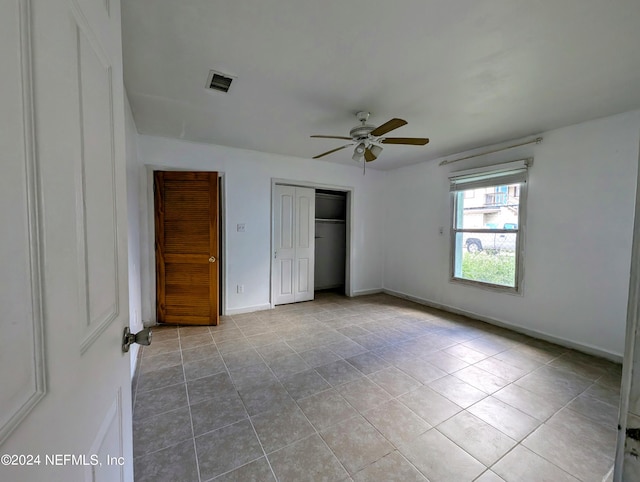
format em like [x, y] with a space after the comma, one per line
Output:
[517, 291]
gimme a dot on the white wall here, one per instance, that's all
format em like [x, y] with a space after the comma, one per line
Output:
[247, 187]
[578, 241]
[133, 224]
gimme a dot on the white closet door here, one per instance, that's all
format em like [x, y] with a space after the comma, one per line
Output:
[283, 244]
[305, 208]
[293, 244]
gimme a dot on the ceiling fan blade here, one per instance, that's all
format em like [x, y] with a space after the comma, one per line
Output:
[330, 152]
[369, 156]
[387, 127]
[333, 137]
[414, 141]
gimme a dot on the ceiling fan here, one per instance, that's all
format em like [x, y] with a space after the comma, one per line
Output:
[368, 139]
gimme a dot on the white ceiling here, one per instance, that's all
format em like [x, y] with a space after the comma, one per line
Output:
[465, 73]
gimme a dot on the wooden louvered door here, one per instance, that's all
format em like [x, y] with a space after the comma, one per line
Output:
[186, 207]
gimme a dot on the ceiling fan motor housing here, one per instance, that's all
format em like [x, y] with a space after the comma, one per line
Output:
[361, 132]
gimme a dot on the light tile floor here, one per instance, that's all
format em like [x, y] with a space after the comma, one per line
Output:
[369, 389]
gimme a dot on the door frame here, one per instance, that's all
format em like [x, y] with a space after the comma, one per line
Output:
[148, 281]
[348, 285]
[624, 464]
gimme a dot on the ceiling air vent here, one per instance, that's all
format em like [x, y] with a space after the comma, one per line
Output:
[219, 81]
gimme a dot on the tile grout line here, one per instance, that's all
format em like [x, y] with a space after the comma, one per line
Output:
[212, 479]
[544, 422]
[396, 448]
[431, 427]
[308, 421]
[520, 443]
[362, 415]
[160, 413]
[186, 387]
[255, 432]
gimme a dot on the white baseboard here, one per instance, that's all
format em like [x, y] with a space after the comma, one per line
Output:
[591, 350]
[248, 309]
[373, 291]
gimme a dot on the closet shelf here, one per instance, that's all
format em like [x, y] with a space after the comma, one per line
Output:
[325, 220]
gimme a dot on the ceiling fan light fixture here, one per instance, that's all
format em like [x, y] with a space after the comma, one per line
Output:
[375, 150]
[358, 151]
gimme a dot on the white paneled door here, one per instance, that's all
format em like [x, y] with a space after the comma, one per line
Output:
[293, 244]
[65, 397]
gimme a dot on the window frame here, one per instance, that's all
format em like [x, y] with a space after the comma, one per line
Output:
[520, 234]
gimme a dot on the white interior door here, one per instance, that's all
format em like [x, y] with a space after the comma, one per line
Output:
[305, 207]
[284, 252]
[293, 244]
[65, 402]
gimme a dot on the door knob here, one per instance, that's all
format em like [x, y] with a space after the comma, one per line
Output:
[141, 338]
[212, 259]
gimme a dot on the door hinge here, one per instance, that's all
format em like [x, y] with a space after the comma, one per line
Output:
[633, 433]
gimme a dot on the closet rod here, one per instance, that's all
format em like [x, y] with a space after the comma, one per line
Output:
[323, 220]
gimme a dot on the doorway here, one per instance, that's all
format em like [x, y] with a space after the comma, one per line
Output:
[330, 240]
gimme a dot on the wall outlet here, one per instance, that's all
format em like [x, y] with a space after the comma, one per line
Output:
[240, 227]
[240, 288]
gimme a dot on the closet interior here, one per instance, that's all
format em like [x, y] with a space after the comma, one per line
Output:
[330, 240]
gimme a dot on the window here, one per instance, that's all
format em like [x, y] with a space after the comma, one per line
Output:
[487, 225]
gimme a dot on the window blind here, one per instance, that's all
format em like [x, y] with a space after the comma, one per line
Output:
[507, 173]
